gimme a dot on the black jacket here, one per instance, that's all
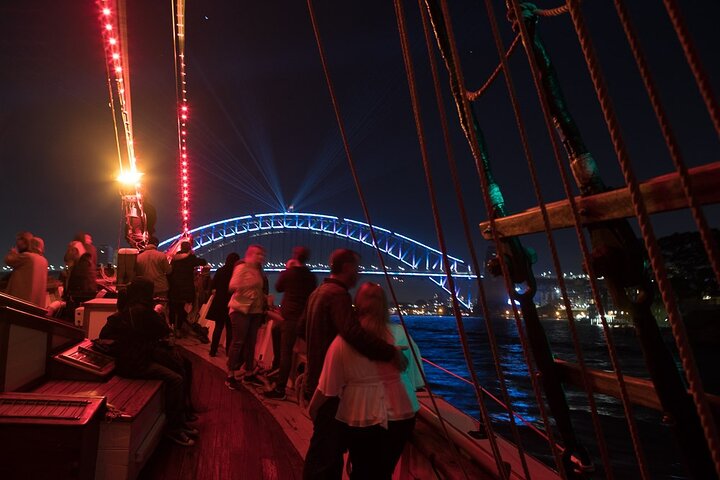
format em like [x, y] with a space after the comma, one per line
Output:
[182, 277]
[219, 307]
[297, 283]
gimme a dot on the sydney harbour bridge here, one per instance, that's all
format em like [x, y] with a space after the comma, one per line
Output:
[279, 232]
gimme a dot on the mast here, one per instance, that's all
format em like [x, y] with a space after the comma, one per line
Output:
[114, 33]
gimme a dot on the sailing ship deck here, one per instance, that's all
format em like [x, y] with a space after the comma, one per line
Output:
[238, 437]
[244, 435]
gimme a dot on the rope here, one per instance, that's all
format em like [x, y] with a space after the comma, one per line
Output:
[468, 237]
[670, 140]
[472, 96]
[548, 231]
[693, 60]
[585, 252]
[451, 59]
[551, 12]
[677, 326]
[525, 421]
[114, 116]
[412, 85]
[363, 203]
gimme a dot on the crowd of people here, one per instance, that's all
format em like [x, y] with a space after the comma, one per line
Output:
[28, 279]
[360, 374]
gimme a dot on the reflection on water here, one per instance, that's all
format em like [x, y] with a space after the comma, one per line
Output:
[438, 341]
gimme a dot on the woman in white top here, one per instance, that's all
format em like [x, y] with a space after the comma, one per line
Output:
[377, 403]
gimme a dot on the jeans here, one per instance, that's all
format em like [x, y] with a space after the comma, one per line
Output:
[221, 323]
[244, 335]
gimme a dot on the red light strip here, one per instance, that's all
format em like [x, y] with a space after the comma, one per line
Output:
[119, 68]
[183, 114]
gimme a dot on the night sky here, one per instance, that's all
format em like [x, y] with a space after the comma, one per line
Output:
[262, 133]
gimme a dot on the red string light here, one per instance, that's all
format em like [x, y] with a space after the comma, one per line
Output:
[118, 66]
[183, 114]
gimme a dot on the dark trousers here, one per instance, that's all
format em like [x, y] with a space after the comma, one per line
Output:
[174, 390]
[324, 458]
[178, 315]
[244, 328]
[276, 335]
[287, 334]
[220, 323]
[170, 357]
[374, 451]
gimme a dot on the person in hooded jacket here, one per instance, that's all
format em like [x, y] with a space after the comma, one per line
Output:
[182, 285]
[137, 334]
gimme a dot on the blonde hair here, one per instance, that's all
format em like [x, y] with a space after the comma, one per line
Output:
[372, 307]
[37, 245]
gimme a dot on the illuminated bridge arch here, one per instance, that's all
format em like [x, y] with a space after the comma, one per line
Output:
[421, 260]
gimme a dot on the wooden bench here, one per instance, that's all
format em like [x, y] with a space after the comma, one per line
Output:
[28, 342]
[49, 436]
[127, 440]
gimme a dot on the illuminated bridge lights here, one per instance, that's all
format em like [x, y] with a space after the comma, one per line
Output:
[423, 261]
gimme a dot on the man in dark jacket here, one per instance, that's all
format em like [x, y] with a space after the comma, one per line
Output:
[296, 283]
[182, 285]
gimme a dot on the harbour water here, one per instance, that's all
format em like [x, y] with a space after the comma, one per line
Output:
[438, 341]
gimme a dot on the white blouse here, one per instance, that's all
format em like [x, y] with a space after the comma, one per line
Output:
[371, 393]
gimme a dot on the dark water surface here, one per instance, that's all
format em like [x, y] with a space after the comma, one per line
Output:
[439, 342]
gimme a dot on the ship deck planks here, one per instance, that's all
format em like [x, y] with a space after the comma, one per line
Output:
[430, 453]
[239, 438]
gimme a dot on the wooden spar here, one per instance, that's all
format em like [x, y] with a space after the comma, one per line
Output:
[661, 194]
[640, 390]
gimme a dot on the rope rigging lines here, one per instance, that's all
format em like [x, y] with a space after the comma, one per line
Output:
[678, 329]
[513, 260]
[359, 189]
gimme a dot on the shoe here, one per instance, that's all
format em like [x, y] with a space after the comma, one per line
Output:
[213, 353]
[253, 379]
[275, 394]
[190, 431]
[232, 383]
[180, 437]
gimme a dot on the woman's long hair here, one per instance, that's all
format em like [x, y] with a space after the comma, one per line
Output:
[372, 309]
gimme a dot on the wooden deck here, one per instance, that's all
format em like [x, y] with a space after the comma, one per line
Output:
[295, 427]
[239, 438]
